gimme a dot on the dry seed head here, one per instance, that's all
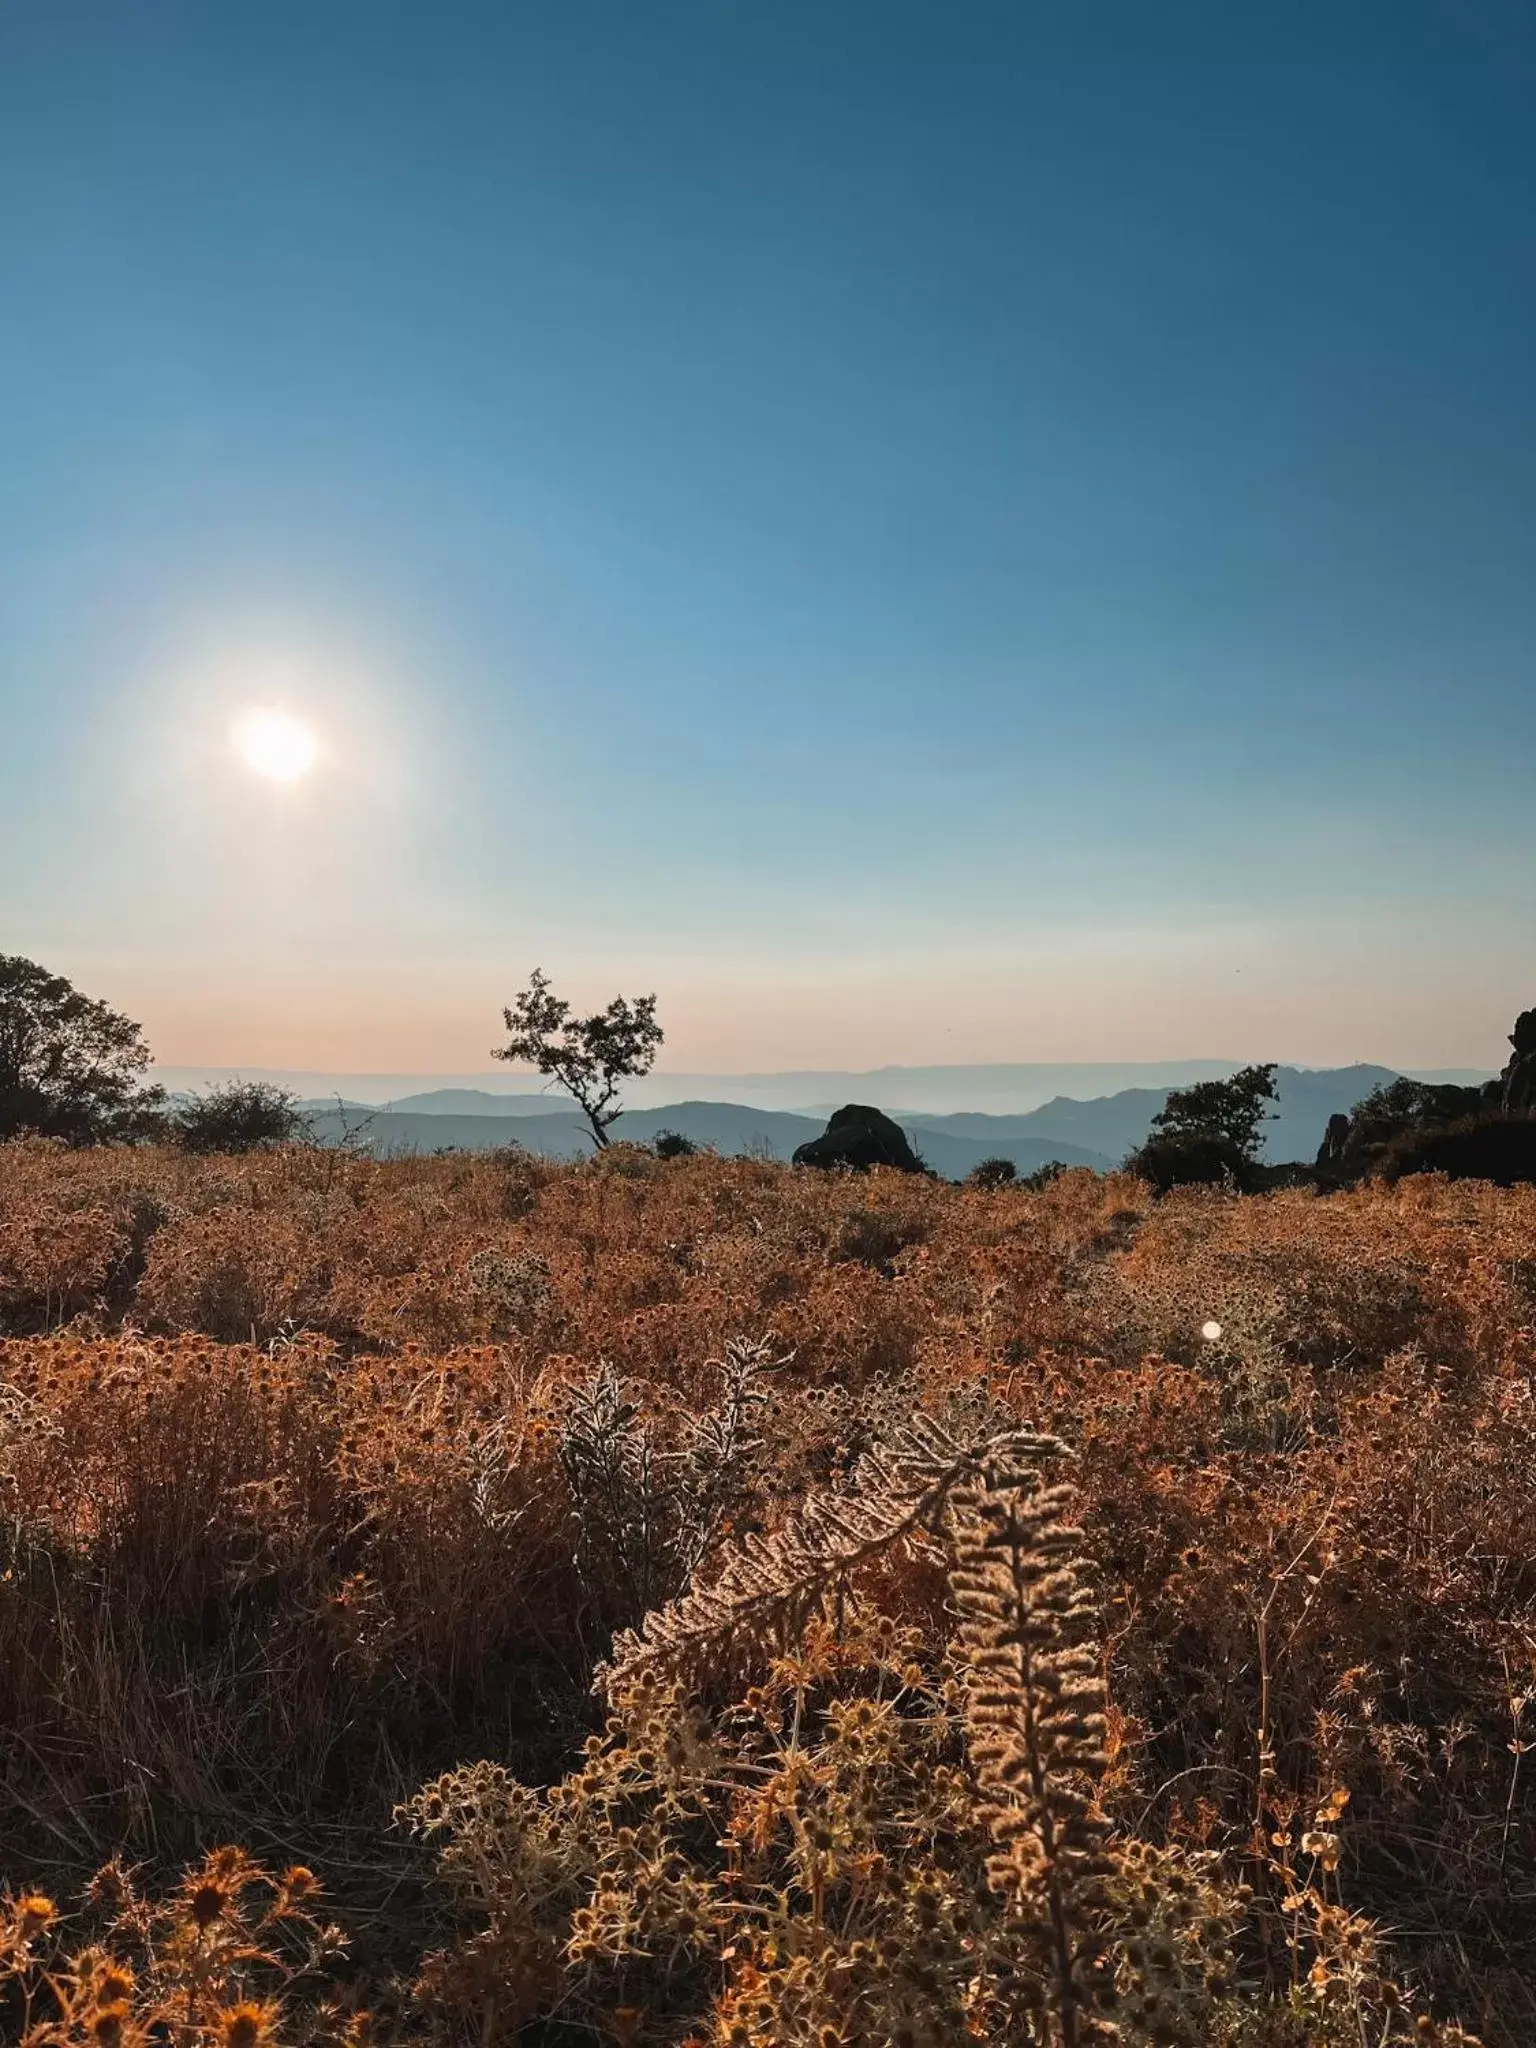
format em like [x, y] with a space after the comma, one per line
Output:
[34, 1911]
[249, 2024]
[208, 1903]
[115, 1984]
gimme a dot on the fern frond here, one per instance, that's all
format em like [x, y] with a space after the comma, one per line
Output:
[768, 1583]
[1035, 1717]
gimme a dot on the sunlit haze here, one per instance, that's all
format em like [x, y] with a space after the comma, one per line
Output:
[920, 534]
[275, 744]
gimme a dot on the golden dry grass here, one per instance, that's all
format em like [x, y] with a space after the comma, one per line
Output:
[322, 1477]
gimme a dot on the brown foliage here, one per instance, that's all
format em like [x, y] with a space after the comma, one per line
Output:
[321, 1475]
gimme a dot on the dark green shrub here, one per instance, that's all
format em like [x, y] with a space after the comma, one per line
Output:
[1395, 1116]
[1042, 1176]
[239, 1116]
[992, 1173]
[1191, 1160]
[1209, 1134]
[1498, 1149]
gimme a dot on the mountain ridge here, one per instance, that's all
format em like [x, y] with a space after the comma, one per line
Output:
[734, 1129]
[996, 1088]
[1097, 1132]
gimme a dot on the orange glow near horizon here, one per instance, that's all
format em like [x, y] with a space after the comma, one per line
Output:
[436, 1015]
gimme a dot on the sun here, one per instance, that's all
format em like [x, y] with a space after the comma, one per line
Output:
[275, 744]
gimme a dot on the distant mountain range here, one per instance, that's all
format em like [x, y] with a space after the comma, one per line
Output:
[1117, 1124]
[1098, 1132]
[727, 1127]
[1006, 1088]
[479, 1102]
[997, 1090]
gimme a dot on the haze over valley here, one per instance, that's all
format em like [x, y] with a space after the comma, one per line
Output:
[738, 1115]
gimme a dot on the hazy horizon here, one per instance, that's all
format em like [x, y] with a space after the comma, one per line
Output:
[995, 1088]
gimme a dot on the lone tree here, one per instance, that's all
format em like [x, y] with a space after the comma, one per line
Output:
[70, 1067]
[1210, 1132]
[239, 1116]
[588, 1056]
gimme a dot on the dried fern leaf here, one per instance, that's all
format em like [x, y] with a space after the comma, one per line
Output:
[1034, 1718]
[769, 1582]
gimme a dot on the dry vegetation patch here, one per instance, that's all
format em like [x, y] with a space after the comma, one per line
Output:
[327, 1480]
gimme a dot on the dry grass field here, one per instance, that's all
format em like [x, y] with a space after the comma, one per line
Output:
[481, 1600]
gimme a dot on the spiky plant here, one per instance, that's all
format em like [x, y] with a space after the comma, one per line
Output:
[1034, 1714]
[768, 1585]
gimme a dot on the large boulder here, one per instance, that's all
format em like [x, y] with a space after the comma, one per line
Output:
[858, 1136]
[1517, 1083]
[1335, 1146]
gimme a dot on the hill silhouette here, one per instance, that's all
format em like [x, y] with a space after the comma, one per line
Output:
[1114, 1125]
[1096, 1133]
[726, 1127]
[481, 1102]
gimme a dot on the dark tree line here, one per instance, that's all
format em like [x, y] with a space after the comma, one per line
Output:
[73, 1068]
[70, 1067]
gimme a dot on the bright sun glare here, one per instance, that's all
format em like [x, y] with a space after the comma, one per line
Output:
[275, 744]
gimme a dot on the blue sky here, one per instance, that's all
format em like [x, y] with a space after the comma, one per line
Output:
[920, 532]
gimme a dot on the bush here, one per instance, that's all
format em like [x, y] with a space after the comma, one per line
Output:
[1042, 1176]
[1208, 1134]
[673, 1145]
[239, 1116]
[992, 1173]
[858, 1847]
[1500, 1149]
[1394, 1115]
[1192, 1159]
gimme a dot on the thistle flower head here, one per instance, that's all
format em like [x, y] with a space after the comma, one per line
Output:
[249, 2024]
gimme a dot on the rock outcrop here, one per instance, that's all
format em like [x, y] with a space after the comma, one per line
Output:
[1497, 1148]
[1517, 1083]
[1335, 1145]
[1481, 1133]
[858, 1136]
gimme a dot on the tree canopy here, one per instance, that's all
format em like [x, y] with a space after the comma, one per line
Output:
[1233, 1110]
[71, 1067]
[1212, 1131]
[588, 1056]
